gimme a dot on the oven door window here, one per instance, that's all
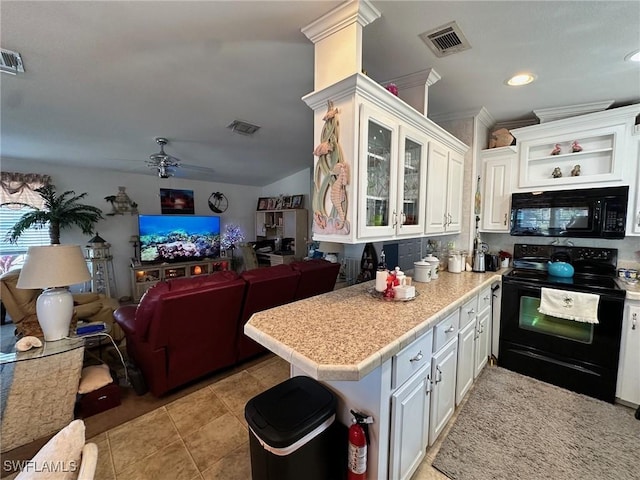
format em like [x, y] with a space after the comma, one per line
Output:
[531, 319]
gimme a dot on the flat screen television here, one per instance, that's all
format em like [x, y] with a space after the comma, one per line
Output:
[178, 238]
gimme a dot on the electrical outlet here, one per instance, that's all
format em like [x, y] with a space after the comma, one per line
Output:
[223, 254]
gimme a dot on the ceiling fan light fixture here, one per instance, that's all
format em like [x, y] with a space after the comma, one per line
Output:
[243, 128]
[520, 79]
[163, 163]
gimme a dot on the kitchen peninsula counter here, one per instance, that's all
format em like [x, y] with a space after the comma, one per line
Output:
[347, 333]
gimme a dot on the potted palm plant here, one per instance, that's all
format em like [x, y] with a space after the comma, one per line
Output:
[60, 211]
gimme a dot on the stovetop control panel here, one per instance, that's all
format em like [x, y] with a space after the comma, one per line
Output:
[591, 260]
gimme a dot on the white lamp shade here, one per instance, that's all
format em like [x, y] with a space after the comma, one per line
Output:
[331, 250]
[54, 266]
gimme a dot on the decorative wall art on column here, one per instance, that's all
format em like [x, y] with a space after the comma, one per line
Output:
[332, 176]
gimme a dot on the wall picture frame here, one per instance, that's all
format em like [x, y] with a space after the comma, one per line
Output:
[176, 202]
[297, 201]
[263, 203]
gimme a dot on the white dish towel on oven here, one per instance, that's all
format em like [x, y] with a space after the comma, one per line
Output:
[578, 306]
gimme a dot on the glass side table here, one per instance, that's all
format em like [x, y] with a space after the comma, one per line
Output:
[38, 390]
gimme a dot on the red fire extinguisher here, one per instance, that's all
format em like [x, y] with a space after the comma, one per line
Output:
[358, 441]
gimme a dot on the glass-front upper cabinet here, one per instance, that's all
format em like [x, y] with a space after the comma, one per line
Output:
[411, 171]
[378, 173]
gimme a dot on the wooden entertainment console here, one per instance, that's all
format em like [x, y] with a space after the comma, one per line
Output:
[145, 276]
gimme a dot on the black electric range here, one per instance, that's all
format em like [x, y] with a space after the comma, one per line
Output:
[579, 356]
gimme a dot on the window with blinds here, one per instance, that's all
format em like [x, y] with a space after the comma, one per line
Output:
[31, 237]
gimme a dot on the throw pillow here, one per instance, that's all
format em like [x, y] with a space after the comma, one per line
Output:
[59, 459]
[87, 310]
[87, 297]
[93, 378]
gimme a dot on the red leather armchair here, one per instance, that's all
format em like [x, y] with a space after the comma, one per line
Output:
[316, 276]
[266, 288]
[184, 328]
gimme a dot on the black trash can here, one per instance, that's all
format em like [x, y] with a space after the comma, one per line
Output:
[293, 433]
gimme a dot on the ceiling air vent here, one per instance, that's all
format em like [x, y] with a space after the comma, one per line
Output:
[11, 62]
[446, 40]
[243, 128]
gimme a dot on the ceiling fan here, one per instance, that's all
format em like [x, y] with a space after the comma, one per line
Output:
[165, 164]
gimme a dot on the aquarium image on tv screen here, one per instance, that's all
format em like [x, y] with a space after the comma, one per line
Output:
[178, 238]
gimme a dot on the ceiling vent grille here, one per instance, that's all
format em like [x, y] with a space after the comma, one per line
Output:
[243, 128]
[446, 40]
[11, 62]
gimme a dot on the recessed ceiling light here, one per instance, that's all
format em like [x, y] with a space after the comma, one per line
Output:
[633, 56]
[520, 79]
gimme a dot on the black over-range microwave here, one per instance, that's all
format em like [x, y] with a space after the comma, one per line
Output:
[586, 213]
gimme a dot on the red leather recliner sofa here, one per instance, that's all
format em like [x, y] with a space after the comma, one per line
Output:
[186, 328]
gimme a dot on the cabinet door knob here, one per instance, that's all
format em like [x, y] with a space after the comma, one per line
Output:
[417, 358]
[450, 329]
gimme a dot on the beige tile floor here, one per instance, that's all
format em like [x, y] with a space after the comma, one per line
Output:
[202, 436]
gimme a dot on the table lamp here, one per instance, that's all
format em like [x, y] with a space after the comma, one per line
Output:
[331, 250]
[54, 268]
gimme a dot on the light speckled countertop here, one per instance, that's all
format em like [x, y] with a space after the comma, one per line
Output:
[347, 333]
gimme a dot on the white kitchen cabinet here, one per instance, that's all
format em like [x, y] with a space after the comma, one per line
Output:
[410, 400]
[628, 387]
[410, 424]
[604, 138]
[498, 165]
[444, 190]
[384, 151]
[633, 213]
[443, 390]
[392, 176]
[466, 361]
[410, 216]
[483, 341]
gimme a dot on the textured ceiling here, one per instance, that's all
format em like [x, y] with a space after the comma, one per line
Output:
[104, 78]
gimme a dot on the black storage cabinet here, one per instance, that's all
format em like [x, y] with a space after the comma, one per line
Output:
[293, 434]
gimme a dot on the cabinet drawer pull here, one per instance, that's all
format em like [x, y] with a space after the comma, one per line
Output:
[486, 299]
[471, 312]
[417, 358]
[450, 329]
